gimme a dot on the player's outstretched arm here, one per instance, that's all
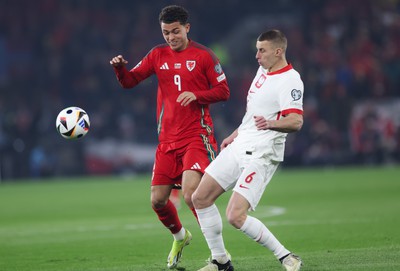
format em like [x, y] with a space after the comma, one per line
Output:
[118, 61]
[125, 77]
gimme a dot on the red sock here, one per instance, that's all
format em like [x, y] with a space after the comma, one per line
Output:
[169, 217]
[195, 214]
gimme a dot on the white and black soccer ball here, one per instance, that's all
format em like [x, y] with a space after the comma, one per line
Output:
[72, 122]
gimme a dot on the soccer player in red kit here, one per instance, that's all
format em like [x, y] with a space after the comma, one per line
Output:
[190, 78]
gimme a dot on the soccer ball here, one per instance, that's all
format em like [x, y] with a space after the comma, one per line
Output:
[72, 123]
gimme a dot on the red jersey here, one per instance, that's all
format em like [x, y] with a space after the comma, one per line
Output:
[195, 69]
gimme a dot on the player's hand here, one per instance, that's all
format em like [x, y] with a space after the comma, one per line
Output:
[262, 123]
[118, 61]
[186, 98]
[225, 143]
[229, 139]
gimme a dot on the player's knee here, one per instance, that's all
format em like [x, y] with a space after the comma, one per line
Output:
[198, 200]
[158, 203]
[236, 219]
[187, 197]
[195, 199]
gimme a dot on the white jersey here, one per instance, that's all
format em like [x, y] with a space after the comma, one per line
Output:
[249, 162]
[271, 95]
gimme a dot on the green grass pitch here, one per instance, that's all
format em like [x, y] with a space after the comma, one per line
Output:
[335, 219]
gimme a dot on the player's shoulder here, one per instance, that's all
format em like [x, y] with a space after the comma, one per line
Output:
[294, 71]
[296, 75]
[203, 50]
[156, 52]
[293, 79]
[291, 72]
[198, 46]
[159, 48]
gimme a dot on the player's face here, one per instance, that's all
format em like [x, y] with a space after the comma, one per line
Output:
[175, 35]
[267, 54]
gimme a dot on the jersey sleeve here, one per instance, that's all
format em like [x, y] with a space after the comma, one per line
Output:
[291, 98]
[144, 69]
[219, 90]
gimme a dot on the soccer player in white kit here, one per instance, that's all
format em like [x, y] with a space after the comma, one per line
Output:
[251, 154]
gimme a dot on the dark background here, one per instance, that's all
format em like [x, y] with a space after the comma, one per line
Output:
[55, 54]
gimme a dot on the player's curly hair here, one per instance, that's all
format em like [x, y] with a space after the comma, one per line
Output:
[172, 14]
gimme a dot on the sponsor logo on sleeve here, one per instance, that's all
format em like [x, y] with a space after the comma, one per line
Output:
[296, 94]
[218, 68]
[221, 77]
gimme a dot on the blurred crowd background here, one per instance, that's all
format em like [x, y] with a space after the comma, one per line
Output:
[55, 54]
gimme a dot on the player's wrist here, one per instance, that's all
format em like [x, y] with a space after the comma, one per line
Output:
[271, 124]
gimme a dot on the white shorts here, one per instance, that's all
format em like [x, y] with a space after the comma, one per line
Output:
[247, 175]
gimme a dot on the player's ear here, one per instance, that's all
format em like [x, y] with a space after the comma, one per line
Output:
[187, 26]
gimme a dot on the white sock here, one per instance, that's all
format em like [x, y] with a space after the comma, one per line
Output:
[211, 225]
[257, 231]
[180, 235]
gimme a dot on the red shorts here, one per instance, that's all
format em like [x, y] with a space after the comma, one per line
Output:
[172, 159]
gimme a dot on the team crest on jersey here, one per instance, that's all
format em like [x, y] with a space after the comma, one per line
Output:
[296, 94]
[260, 80]
[190, 64]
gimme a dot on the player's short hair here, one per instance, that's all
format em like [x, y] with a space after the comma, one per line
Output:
[173, 13]
[276, 37]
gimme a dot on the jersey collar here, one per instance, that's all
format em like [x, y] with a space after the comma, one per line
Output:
[284, 69]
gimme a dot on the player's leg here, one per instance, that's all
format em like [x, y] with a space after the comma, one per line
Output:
[251, 226]
[175, 197]
[219, 177]
[190, 181]
[164, 208]
[207, 192]
[211, 223]
[246, 195]
[197, 155]
[168, 215]
[166, 174]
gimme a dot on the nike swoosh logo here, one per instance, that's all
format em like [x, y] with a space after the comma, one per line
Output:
[242, 186]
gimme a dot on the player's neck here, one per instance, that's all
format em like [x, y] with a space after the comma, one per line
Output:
[184, 46]
[278, 65]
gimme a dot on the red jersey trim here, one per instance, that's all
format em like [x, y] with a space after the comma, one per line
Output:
[284, 69]
[291, 110]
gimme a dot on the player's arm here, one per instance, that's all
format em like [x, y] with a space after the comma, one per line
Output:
[129, 79]
[291, 102]
[290, 123]
[219, 90]
[217, 93]
[229, 139]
